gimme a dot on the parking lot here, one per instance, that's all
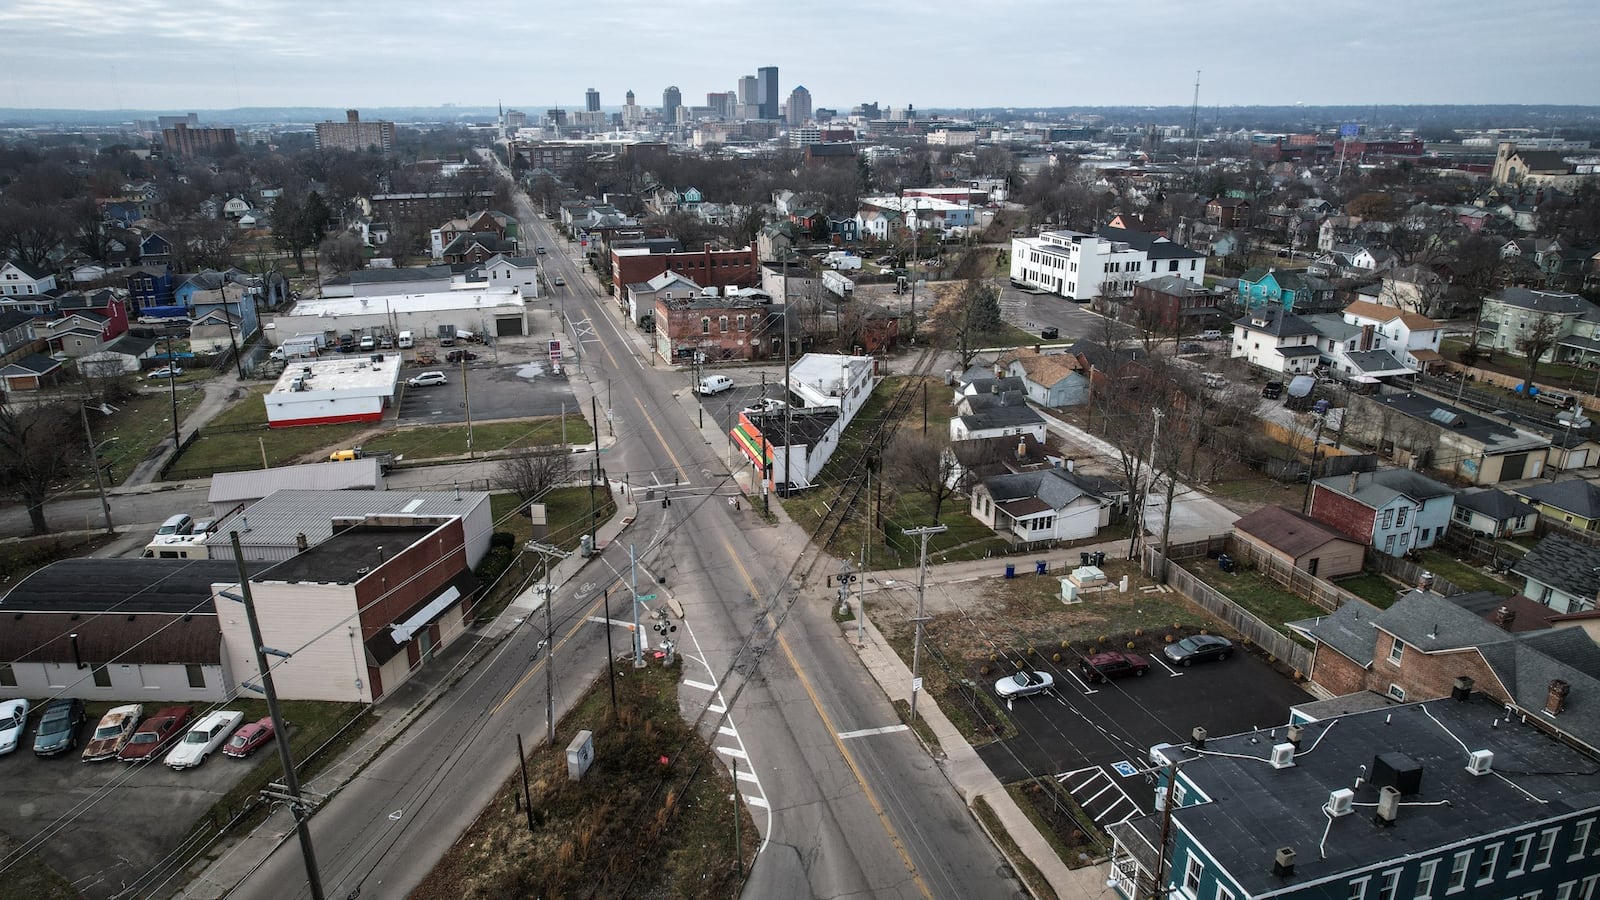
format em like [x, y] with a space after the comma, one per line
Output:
[724, 408]
[107, 823]
[1095, 738]
[518, 386]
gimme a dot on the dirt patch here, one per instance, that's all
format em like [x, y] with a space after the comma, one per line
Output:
[1070, 830]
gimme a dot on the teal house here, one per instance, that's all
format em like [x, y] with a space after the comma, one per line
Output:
[1294, 291]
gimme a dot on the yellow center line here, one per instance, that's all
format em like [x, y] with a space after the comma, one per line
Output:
[827, 722]
[682, 476]
[534, 669]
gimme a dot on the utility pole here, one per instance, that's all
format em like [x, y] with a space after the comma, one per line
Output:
[1316, 444]
[924, 532]
[1166, 830]
[466, 401]
[638, 637]
[788, 379]
[594, 476]
[172, 386]
[611, 658]
[548, 551]
[291, 780]
[99, 477]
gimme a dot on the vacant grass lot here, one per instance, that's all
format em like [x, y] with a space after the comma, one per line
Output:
[652, 818]
[1375, 589]
[28, 878]
[1462, 575]
[130, 434]
[1257, 593]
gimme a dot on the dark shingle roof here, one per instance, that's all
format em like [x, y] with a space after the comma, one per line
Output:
[1563, 563]
[1495, 504]
[32, 364]
[1347, 629]
[90, 585]
[1544, 301]
[1275, 321]
[1581, 498]
[1154, 246]
[1289, 531]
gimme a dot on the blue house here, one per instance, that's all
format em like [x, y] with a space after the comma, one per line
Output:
[846, 228]
[1365, 799]
[153, 248]
[1297, 292]
[149, 285]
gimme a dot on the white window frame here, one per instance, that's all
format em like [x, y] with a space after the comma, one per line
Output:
[1564, 890]
[1397, 692]
[1397, 651]
[1425, 873]
[1489, 862]
[1193, 871]
[1389, 888]
[1460, 864]
[1544, 849]
[1358, 887]
[1580, 839]
[1586, 888]
[1223, 893]
[1519, 855]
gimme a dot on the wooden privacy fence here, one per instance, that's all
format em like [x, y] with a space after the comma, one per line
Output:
[1230, 613]
[1297, 581]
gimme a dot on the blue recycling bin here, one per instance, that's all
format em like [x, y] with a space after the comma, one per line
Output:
[1011, 571]
[1041, 567]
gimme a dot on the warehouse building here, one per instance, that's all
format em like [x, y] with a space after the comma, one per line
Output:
[496, 311]
[325, 392]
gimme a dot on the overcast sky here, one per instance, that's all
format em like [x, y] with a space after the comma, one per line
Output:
[219, 54]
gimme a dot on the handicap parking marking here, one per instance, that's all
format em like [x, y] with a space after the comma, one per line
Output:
[1124, 768]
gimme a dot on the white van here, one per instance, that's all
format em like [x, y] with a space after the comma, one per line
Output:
[405, 341]
[714, 384]
[1211, 335]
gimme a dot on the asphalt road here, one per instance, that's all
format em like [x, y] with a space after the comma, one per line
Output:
[72, 513]
[869, 816]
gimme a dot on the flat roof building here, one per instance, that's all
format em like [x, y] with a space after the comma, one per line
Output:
[357, 388]
[488, 310]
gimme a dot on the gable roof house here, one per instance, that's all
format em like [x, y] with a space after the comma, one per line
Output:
[1411, 337]
[1301, 542]
[1392, 510]
[1507, 315]
[995, 415]
[1418, 430]
[1293, 290]
[1048, 380]
[1043, 505]
[19, 280]
[1493, 513]
[1274, 339]
[1562, 573]
[971, 461]
[30, 373]
[1574, 503]
[78, 334]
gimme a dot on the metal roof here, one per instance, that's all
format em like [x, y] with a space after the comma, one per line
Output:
[355, 474]
[279, 518]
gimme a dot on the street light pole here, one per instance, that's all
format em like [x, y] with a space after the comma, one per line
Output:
[94, 462]
[924, 532]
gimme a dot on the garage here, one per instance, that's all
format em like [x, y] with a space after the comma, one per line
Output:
[508, 327]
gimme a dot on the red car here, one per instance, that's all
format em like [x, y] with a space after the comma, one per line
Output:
[156, 734]
[245, 741]
[1113, 664]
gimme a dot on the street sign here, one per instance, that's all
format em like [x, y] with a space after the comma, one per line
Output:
[916, 685]
[644, 598]
[555, 349]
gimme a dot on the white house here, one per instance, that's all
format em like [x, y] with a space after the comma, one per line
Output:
[1079, 266]
[1412, 338]
[1269, 338]
[642, 295]
[519, 272]
[995, 415]
[1043, 505]
[18, 280]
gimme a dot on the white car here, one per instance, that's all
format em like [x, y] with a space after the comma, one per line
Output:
[426, 379]
[13, 721]
[203, 738]
[166, 372]
[765, 405]
[1023, 684]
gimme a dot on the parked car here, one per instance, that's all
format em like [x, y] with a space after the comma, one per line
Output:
[765, 405]
[1050, 333]
[1191, 347]
[455, 356]
[245, 741]
[1113, 664]
[156, 734]
[58, 727]
[176, 525]
[368, 342]
[1272, 390]
[166, 372]
[113, 732]
[539, 251]
[1024, 684]
[427, 379]
[714, 384]
[1211, 334]
[1198, 648]
[13, 721]
[204, 738]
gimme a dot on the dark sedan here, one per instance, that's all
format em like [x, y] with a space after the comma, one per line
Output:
[58, 727]
[1198, 648]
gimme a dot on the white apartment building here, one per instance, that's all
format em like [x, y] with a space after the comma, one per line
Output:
[1076, 265]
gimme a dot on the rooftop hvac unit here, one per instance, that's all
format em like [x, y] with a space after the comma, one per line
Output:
[1480, 762]
[1283, 862]
[1341, 802]
[1388, 805]
[1282, 755]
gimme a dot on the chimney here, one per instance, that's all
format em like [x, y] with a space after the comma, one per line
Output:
[1283, 862]
[1296, 733]
[1462, 689]
[1388, 805]
[1355, 479]
[1022, 448]
[1503, 617]
[1556, 701]
[1366, 337]
[300, 543]
[1199, 735]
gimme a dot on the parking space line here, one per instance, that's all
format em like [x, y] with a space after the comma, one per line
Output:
[747, 775]
[716, 709]
[868, 732]
[698, 685]
[1170, 671]
[727, 731]
[734, 752]
[1097, 795]
[756, 801]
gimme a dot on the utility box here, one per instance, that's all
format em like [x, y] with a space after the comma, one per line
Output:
[580, 755]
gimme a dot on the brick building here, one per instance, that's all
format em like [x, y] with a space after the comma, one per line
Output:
[1170, 303]
[188, 143]
[738, 325]
[1392, 510]
[721, 269]
[354, 134]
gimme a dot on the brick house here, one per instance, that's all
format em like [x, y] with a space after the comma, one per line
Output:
[1392, 510]
[741, 325]
[1170, 303]
[1228, 212]
[1426, 646]
[709, 268]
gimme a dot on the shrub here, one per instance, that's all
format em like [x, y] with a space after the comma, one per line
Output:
[503, 539]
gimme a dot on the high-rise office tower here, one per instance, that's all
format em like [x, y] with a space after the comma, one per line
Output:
[799, 105]
[591, 100]
[671, 99]
[722, 103]
[747, 91]
[767, 91]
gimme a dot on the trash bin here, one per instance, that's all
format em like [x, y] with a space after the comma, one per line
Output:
[1041, 567]
[1011, 571]
[1083, 559]
[1099, 557]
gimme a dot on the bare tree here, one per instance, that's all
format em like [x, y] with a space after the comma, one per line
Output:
[531, 474]
[1537, 338]
[39, 445]
[920, 464]
[967, 319]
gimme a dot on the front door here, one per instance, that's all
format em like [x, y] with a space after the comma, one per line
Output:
[425, 643]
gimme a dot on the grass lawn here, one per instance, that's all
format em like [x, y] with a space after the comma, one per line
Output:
[567, 520]
[652, 818]
[1462, 575]
[138, 426]
[1257, 593]
[1373, 588]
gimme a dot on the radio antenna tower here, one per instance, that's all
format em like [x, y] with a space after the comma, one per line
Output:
[1194, 118]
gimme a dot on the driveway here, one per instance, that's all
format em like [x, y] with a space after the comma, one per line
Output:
[511, 389]
[1095, 739]
[129, 817]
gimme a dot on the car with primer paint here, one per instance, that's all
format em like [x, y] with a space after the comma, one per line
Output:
[204, 738]
[112, 734]
[13, 722]
[155, 734]
[1024, 684]
[1103, 667]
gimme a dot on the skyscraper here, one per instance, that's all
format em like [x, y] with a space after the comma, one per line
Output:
[767, 91]
[671, 99]
[591, 100]
[799, 105]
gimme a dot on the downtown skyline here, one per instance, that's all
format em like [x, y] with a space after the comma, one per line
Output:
[157, 54]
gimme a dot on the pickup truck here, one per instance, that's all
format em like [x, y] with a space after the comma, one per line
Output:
[386, 458]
